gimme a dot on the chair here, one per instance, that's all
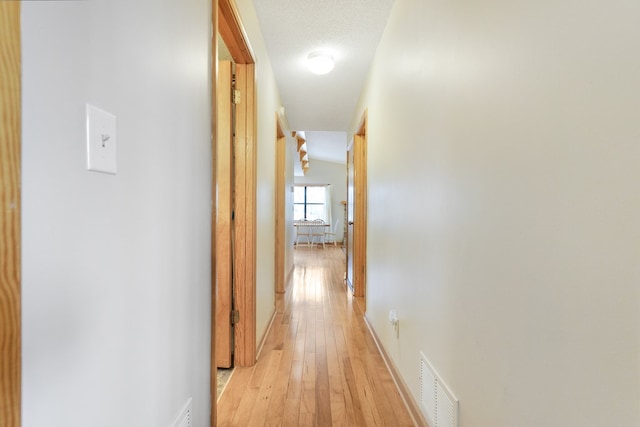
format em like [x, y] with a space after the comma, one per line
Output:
[303, 230]
[332, 234]
[317, 231]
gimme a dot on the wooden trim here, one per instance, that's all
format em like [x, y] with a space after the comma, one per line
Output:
[223, 213]
[410, 403]
[360, 210]
[280, 229]
[245, 218]
[10, 288]
[233, 34]
[213, 377]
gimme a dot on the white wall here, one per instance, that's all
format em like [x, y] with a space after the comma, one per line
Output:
[268, 103]
[322, 173]
[116, 269]
[504, 217]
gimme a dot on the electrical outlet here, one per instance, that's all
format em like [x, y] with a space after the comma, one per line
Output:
[395, 322]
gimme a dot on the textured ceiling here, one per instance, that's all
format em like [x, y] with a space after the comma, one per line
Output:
[349, 29]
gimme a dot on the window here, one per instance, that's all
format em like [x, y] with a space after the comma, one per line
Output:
[309, 203]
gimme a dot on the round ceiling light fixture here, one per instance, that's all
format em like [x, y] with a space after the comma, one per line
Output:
[320, 62]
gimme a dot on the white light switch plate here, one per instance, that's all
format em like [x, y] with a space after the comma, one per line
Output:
[101, 141]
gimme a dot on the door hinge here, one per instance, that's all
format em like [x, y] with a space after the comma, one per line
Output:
[236, 96]
[235, 317]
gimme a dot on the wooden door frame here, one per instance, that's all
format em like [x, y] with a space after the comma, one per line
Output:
[213, 377]
[244, 261]
[10, 163]
[360, 210]
[222, 165]
[225, 19]
[232, 32]
[280, 230]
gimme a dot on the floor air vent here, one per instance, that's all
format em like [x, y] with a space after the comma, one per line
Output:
[439, 405]
[184, 419]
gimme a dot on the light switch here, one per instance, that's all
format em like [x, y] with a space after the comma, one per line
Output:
[101, 140]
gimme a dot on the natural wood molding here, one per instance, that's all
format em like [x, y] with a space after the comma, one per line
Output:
[223, 214]
[213, 379]
[10, 141]
[244, 259]
[360, 209]
[232, 32]
[245, 217]
[410, 403]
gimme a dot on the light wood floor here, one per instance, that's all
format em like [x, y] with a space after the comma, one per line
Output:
[319, 365]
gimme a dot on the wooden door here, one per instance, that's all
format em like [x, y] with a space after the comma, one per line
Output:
[223, 167]
[357, 212]
[244, 242]
[349, 236]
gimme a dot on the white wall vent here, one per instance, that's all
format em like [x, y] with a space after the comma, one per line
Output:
[184, 419]
[438, 403]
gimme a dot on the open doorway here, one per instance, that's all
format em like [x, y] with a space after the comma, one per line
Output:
[356, 247]
[234, 198]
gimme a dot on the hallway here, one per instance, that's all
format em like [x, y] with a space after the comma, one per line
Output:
[319, 365]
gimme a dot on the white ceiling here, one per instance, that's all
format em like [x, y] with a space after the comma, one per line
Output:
[350, 30]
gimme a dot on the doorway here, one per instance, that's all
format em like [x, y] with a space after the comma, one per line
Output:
[237, 186]
[233, 197]
[224, 247]
[356, 247]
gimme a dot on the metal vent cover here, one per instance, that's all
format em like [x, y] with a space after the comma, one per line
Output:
[427, 392]
[438, 403]
[184, 419]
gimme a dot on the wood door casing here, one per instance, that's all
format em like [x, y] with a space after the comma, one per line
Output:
[10, 142]
[223, 165]
[244, 258]
[230, 29]
[213, 378]
[350, 203]
[357, 212]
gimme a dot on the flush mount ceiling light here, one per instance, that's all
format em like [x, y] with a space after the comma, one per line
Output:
[320, 62]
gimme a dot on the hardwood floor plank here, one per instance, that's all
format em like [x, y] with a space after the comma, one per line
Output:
[319, 365]
[280, 391]
[323, 410]
[308, 398]
[230, 399]
[261, 407]
[294, 394]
